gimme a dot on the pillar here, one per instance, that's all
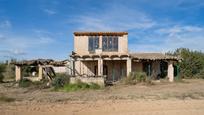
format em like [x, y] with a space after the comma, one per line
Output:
[18, 73]
[170, 71]
[100, 42]
[129, 66]
[40, 72]
[77, 68]
[100, 67]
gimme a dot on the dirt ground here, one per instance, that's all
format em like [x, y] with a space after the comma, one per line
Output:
[183, 98]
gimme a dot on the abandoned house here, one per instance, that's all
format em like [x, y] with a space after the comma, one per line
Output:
[99, 54]
[101, 57]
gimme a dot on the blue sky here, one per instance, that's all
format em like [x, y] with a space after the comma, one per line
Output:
[31, 29]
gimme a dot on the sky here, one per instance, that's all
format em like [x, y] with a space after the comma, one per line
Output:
[32, 29]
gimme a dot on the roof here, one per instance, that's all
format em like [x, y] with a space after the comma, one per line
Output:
[102, 55]
[100, 33]
[138, 56]
[41, 62]
[153, 56]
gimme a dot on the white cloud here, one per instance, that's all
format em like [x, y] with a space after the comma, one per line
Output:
[12, 53]
[45, 40]
[170, 38]
[114, 18]
[49, 11]
[5, 24]
[179, 29]
[21, 45]
[147, 34]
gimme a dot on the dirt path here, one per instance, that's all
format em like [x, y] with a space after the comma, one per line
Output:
[186, 98]
[119, 107]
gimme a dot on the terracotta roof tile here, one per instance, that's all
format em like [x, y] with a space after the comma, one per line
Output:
[100, 33]
[153, 56]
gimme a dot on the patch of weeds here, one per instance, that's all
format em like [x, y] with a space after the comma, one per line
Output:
[115, 97]
[6, 99]
[137, 77]
[94, 86]
[149, 82]
[25, 83]
[79, 86]
[60, 80]
[186, 96]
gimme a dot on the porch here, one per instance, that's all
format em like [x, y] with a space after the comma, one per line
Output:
[115, 67]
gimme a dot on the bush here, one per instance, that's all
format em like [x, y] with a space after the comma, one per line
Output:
[192, 64]
[200, 74]
[79, 86]
[94, 86]
[136, 77]
[2, 70]
[60, 80]
[25, 83]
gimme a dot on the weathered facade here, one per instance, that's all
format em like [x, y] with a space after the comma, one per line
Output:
[106, 54]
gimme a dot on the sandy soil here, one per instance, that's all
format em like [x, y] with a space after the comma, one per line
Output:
[185, 98]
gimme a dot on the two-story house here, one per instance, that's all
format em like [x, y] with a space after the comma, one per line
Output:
[106, 54]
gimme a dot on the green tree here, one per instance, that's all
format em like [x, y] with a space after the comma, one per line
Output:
[192, 64]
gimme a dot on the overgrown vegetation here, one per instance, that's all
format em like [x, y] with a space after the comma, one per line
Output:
[192, 64]
[27, 71]
[25, 83]
[60, 80]
[79, 86]
[9, 71]
[2, 70]
[136, 77]
[6, 99]
[62, 83]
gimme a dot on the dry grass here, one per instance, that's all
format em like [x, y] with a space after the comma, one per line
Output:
[6, 99]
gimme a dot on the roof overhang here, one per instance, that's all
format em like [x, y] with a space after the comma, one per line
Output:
[100, 33]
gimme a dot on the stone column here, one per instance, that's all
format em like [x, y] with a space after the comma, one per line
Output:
[100, 67]
[18, 73]
[40, 72]
[129, 66]
[170, 71]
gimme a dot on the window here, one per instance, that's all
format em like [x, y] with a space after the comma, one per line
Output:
[93, 43]
[110, 43]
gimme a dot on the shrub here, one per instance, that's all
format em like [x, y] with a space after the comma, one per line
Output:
[79, 86]
[94, 86]
[2, 70]
[9, 72]
[200, 74]
[60, 80]
[192, 64]
[25, 83]
[75, 87]
[136, 77]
